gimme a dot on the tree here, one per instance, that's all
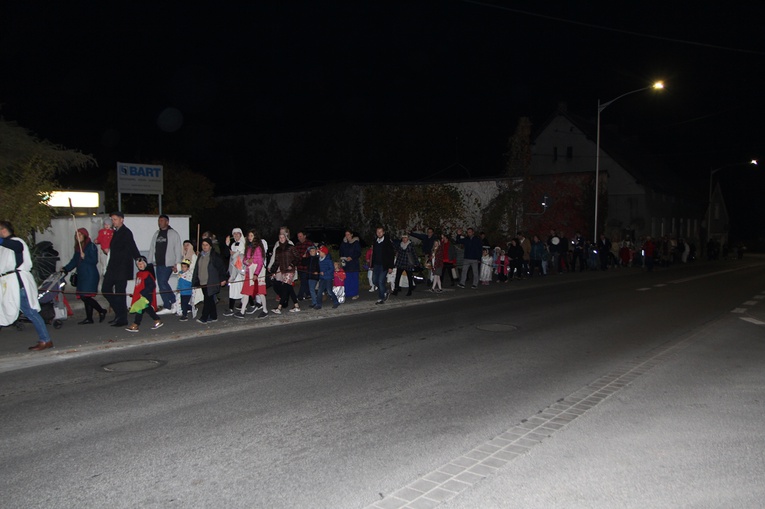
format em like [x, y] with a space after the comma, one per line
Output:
[29, 168]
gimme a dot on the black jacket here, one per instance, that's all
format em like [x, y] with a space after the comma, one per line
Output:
[122, 253]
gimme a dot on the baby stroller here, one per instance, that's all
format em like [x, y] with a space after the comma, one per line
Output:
[54, 308]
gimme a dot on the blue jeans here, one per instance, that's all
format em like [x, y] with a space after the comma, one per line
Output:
[315, 295]
[165, 292]
[325, 285]
[34, 317]
[379, 277]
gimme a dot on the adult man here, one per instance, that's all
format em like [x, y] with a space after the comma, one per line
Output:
[473, 252]
[526, 246]
[604, 251]
[18, 291]
[383, 255]
[119, 269]
[579, 253]
[166, 252]
[302, 251]
[553, 245]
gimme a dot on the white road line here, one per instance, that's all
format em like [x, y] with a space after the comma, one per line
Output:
[749, 303]
[752, 320]
[660, 285]
[643, 289]
[739, 310]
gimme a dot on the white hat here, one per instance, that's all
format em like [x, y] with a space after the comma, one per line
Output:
[236, 230]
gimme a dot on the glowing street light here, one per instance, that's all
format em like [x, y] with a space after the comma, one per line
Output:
[659, 85]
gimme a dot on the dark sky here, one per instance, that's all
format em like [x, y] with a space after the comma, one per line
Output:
[284, 94]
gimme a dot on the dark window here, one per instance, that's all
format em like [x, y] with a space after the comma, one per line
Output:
[569, 152]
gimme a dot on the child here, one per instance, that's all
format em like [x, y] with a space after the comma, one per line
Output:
[372, 287]
[487, 267]
[185, 289]
[437, 265]
[144, 295]
[503, 266]
[326, 276]
[338, 283]
[312, 267]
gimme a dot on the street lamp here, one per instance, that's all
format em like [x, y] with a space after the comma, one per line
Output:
[602, 106]
[709, 207]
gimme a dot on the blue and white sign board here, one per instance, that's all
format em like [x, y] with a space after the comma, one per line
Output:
[139, 178]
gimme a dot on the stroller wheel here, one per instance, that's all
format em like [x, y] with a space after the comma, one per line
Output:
[57, 324]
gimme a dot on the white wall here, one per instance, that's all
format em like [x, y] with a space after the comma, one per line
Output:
[61, 231]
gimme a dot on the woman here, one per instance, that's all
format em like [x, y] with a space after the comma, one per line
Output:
[85, 260]
[210, 274]
[190, 253]
[537, 256]
[350, 252]
[515, 253]
[285, 259]
[252, 266]
[236, 246]
[406, 260]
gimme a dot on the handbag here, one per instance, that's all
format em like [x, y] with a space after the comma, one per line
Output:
[73, 279]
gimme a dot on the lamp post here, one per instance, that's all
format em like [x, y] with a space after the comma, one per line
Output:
[709, 206]
[602, 106]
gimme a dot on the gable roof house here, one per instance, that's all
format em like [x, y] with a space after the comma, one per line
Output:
[639, 195]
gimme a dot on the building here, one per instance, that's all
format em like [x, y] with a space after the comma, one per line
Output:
[639, 194]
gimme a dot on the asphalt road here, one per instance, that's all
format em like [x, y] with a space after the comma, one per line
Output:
[616, 379]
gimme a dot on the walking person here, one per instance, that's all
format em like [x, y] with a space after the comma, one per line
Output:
[350, 252]
[473, 252]
[165, 253]
[144, 296]
[18, 291]
[236, 246]
[119, 270]
[210, 274]
[85, 261]
[406, 259]
[383, 256]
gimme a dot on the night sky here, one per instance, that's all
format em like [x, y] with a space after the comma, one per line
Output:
[270, 95]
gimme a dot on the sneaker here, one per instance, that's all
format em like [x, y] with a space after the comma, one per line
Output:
[335, 306]
[253, 309]
[461, 285]
[316, 307]
[212, 321]
[262, 314]
[228, 312]
[380, 302]
[277, 311]
[372, 289]
[165, 311]
[132, 328]
[295, 310]
[386, 296]
[473, 287]
[183, 318]
[238, 314]
[204, 322]
[158, 324]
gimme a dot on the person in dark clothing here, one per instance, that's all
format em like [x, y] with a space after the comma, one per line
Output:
[85, 260]
[383, 256]
[119, 270]
[209, 274]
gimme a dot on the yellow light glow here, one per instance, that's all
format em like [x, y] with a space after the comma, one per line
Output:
[658, 85]
[79, 199]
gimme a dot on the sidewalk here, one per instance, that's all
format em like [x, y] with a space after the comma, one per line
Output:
[73, 339]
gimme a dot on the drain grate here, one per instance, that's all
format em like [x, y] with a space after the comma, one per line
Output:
[133, 365]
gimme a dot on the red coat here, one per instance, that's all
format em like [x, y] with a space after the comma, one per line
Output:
[141, 287]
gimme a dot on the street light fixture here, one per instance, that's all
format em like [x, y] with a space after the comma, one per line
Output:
[753, 162]
[602, 106]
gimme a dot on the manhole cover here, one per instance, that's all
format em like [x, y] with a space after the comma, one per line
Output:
[136, 365]
[496, 327]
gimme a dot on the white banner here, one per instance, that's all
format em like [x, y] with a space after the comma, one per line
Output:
[139, 178]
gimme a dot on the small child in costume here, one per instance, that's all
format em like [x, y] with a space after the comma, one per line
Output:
[487, 267]
[144, 295]
[338, 283]
[185, 289]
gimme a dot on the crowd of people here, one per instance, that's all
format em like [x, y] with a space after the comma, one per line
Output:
[299, 272]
